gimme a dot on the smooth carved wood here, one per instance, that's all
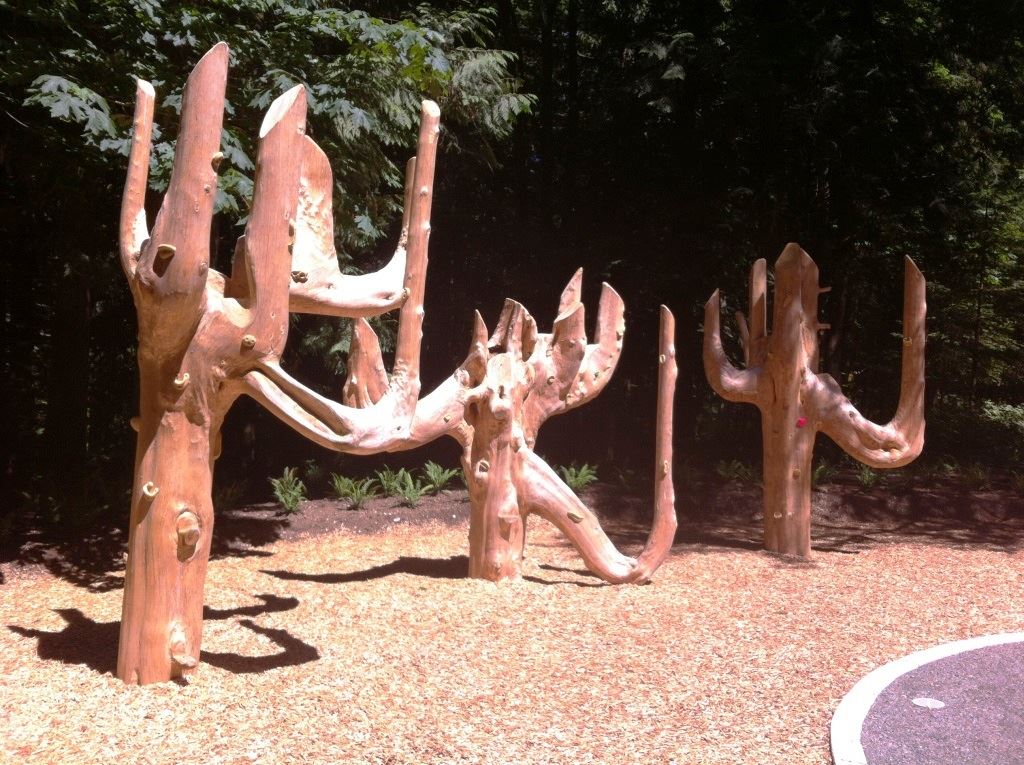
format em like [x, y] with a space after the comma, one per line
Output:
[205, 339]
[494, 406]
[533, 376]
[796, 402]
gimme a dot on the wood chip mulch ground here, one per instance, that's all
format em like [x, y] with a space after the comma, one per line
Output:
[370, 645]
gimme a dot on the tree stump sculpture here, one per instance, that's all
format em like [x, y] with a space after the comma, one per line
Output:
[205, 339]
[781, 378]
[494, 406]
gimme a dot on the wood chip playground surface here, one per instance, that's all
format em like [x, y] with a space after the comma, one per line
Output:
[373, 647]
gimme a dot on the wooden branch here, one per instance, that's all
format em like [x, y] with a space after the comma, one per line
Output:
[406, 371]
[547, 495]
[663, 532]
[601, 357]
[367, 379]
[758, 308]
[266, 234]
[317, 284]
[901, 440]
[573, 292]
[175, 262]
[134, 230]
[266, 392]
[366, 431]
[729, 382]
[568, 372]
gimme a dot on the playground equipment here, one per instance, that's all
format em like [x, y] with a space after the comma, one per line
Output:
[206, 338]
[781, 378]
[513, 383]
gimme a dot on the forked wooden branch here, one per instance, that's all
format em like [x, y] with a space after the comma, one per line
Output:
[796, 402]
[318, 286]
[901, 440]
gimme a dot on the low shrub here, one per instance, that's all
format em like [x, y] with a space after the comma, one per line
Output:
[289, 490]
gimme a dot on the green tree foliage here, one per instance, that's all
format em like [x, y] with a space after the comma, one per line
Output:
[66, 99]
[675, 142]
[671, 143]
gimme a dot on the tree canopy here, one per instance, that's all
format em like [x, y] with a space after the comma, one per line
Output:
[663, 145]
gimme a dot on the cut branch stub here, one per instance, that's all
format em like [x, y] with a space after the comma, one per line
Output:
[795, 402]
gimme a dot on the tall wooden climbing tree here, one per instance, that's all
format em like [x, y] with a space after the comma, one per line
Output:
[781, 378]
[206, 338]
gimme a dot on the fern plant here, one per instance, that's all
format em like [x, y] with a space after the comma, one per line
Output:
[823, 472]
[341, 485]
[409, 489]
[578, 478]
[868, 476]
[437, 477]
[289, 490]
[354, 492]
[390, 480]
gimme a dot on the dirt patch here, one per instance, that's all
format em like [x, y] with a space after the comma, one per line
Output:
[327, 516]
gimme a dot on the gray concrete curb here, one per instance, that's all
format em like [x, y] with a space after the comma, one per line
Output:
[853, 709]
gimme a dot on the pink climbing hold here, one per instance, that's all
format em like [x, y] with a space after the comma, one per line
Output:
[801, 421]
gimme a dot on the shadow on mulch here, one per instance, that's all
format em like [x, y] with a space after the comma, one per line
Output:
[455, 567]
[94, 644]
[846, 518]
[93, 557]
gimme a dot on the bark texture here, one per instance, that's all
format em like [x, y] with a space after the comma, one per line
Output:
[781, 377]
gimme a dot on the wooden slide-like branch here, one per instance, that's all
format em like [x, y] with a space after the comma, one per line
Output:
[901, 440]
[338, 427]
[317, 284]
[386, 424]
[729, 382]
[548, 496]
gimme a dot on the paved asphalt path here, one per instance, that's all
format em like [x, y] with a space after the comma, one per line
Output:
[965, 709]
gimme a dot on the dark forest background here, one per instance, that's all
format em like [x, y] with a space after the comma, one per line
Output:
[662, 145]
